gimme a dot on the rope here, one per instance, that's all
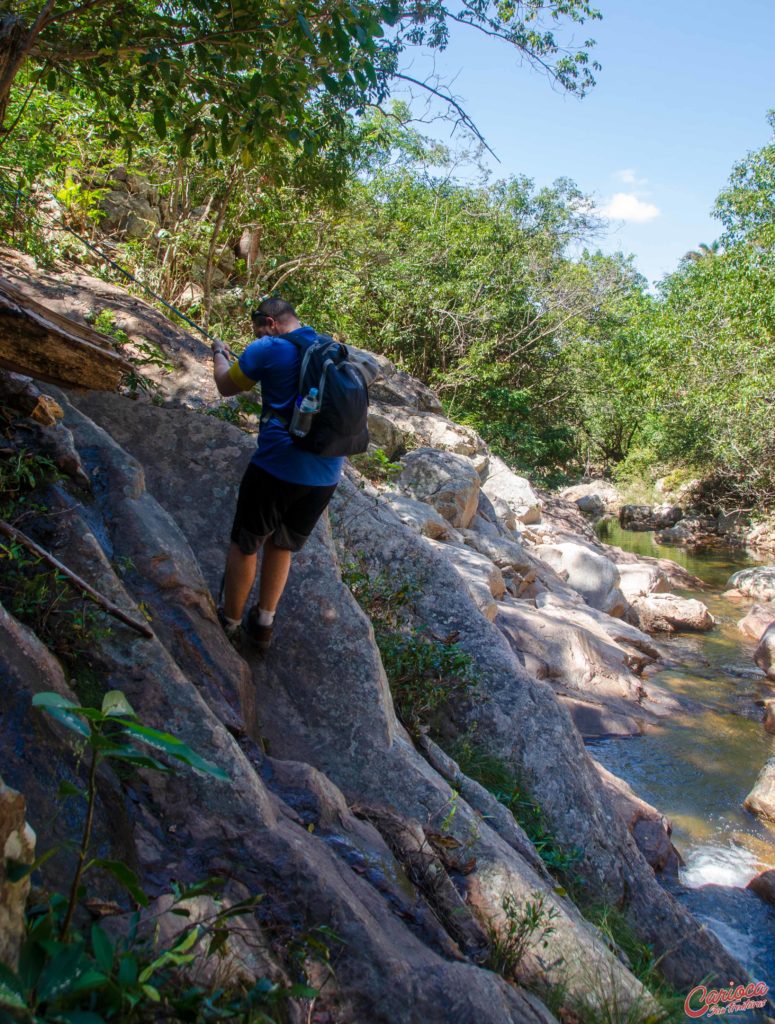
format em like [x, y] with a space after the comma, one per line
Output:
[18, 194]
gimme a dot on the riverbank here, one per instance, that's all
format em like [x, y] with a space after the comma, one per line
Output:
[698, 767]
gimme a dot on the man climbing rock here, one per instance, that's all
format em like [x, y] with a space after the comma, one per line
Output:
[285, 489]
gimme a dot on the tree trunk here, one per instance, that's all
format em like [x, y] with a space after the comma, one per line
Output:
[13, 51]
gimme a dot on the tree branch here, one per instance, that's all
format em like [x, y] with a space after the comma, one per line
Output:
[21, 538]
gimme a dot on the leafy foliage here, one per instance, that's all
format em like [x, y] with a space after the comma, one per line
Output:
[526, 925]
[424, 671]
[244, 77]
[67, 976]
[497, 777]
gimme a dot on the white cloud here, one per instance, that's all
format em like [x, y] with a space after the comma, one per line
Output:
[624, 206]
[627, 176]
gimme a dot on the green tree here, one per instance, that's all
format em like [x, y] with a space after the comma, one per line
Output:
[746, 207]
[246, 74]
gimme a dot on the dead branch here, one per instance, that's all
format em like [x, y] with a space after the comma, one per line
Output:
[21, 538]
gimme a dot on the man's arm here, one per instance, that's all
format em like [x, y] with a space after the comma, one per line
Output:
[229, 379]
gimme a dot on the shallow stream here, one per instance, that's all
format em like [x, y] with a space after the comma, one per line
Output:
[698, 768]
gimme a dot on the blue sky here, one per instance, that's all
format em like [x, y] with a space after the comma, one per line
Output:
[682, 96]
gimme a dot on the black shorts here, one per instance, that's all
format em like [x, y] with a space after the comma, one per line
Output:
[268, 507]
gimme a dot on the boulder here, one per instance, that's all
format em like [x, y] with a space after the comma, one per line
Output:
[483, 579]
[602, 492]
[668, 613]
[580, 656]
[636, 579]
[757, 582]
[129, 215]
[418, 515]
[757, 620]
[591, 505]
[764, 885]
[17, 844]
[506, 554]
[325, 701]
[419, 428]
[761, 799]
[650, 829]
[448, 482]
[764, 655]
[648, 517]
[762, 536]
[396, 388]
[384, 434]
[769, 716]
[511, 495]
[691, 530]
[637, 517]
[593, 575]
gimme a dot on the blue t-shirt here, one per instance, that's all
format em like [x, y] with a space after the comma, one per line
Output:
[274, 363]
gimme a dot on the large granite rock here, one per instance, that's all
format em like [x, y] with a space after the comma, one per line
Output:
[764, 655]
[648, 517]
[594, 497]
[637, 579]
[593, 575]
[761, 799]
[131, 216]
[756, 621]
[764, 885]
[479, 575]
[757, 582]
[288, 834]
[425, 429]
[511, 495]
[448, 482]
[668, 613]
[324, 700]
[419, 516]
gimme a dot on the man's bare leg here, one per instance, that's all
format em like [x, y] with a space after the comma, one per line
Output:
[240, 574]
[275, 566]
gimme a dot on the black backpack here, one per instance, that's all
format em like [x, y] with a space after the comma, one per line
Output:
[341, 376]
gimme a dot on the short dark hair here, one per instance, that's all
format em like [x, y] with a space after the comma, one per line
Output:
[277, 309]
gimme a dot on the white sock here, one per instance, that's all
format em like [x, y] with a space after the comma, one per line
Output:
[231, 623]
[265, 618]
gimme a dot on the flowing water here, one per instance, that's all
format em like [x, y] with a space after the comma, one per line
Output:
[697, 768]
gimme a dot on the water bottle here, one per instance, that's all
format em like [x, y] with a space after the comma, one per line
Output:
[301, 421]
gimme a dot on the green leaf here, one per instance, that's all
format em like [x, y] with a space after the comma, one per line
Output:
[152, 993]
[160, 123]
[102, 948]
[175, 748]
[11, 989]
[49, 699]
[88, 982]
[61, 709]
[305, 27]
[68, 789]
[115, 703]
[127, 971]
[61, 972]
[134, 756]
[125, 876]
[302, 992]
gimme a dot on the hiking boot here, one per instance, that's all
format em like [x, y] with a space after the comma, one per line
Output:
[257, 635]
[231, 629]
